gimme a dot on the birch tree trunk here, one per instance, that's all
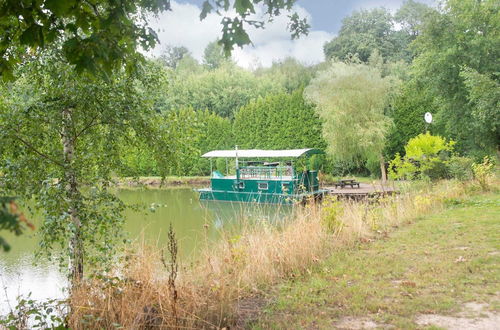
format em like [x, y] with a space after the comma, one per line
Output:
[73, 196]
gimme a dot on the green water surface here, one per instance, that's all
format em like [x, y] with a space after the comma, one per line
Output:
[195, 224]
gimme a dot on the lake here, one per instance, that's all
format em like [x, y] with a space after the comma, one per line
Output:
[194, 223]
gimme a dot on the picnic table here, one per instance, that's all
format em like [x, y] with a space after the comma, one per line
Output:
[346, 182]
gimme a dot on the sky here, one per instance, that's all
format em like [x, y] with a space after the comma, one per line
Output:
[182, 27]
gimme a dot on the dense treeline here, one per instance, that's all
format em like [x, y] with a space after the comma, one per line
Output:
[443, 61]
[439, 60]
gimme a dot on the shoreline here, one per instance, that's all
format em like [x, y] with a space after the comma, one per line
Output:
[159, 182]
[176, 181]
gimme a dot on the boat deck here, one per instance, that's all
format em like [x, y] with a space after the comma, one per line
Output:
[277, 178]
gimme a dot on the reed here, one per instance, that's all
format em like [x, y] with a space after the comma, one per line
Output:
[209, 292]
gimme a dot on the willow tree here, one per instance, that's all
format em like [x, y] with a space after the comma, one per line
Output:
[351, 99]
[62, 134]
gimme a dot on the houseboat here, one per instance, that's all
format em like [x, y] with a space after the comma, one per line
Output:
[263, 176]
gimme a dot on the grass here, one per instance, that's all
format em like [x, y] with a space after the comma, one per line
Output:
[322, 242]
[433, 265]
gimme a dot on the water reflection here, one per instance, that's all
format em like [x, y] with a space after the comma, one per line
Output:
[194, 223]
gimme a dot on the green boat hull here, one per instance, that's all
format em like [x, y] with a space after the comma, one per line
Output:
[208, 194]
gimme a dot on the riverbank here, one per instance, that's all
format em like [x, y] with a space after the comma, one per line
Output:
[169, 181]
[157, 181]
[234, 279]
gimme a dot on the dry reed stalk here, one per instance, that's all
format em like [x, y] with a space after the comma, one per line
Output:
[208, 290]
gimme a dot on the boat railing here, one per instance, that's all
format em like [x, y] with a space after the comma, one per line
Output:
[264, 172]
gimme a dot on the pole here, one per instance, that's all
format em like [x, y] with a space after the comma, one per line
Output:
[237, 166]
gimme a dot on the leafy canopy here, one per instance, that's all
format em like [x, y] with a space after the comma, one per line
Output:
[102, 35]
[457, 65]
[351, 98]
[48, 107]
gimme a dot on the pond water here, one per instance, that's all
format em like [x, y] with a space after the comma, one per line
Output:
[194, 223]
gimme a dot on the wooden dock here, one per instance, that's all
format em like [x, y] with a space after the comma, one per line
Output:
[364, 191]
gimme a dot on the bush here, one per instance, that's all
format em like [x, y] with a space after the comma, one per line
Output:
[427, 156]
[483, 172]
[435, 169]
[460, 168]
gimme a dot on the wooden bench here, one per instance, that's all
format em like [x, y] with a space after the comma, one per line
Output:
[346, 182]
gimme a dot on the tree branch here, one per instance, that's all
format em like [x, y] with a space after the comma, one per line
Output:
[35, 150]
[89, 125]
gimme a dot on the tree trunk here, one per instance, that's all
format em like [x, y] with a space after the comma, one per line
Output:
[382, 169]
[73, 197]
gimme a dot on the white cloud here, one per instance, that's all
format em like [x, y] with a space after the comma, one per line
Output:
[182, 27]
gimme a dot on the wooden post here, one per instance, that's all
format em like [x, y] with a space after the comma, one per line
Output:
[382, 169]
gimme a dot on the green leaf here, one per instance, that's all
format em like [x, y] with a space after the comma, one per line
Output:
[243, 7]
[60, 8]
[206, 9]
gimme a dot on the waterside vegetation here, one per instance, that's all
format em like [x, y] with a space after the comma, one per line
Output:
[215, 290]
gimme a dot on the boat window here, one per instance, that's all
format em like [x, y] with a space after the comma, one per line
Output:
[263, 186]
[285, 187]
[241, 185]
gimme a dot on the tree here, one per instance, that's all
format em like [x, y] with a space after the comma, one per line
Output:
[221, 91]
[61, 132]
[278, 121]
[102, 35]
[351, 99]
[213, 55]
[407, 112]
[289, 73]
[426, 155]
[171, 56]
[361, 33]
[484, 98]
[368, 30]
[411, 16]
[459, 47]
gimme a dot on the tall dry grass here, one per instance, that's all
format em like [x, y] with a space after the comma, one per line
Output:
[207, 293]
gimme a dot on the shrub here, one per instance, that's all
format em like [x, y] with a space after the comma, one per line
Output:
[426, 157]
[483, 172]
[435, 169]
[460, 168]
[331, 216]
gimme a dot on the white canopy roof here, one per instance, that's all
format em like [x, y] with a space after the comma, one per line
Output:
[258, 153]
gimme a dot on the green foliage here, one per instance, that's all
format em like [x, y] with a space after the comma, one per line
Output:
[331, 213]
[32, 314]
[427, 146]
[9, 221]
[171, 56]
[62, 131]
[368, 30]
[411, 16]
[96, 35]
[279, 121]
[483, 172]
[426, 156]
[460, 168]
[289, 73]
[457, 65]
[407, 112]
[351, 98]
[213, 56]
[221, 91]
[484, 98]
[102, 35]
[195, 133]
[233, 32]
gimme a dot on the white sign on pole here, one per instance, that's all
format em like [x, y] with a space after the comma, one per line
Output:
[428, 117]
